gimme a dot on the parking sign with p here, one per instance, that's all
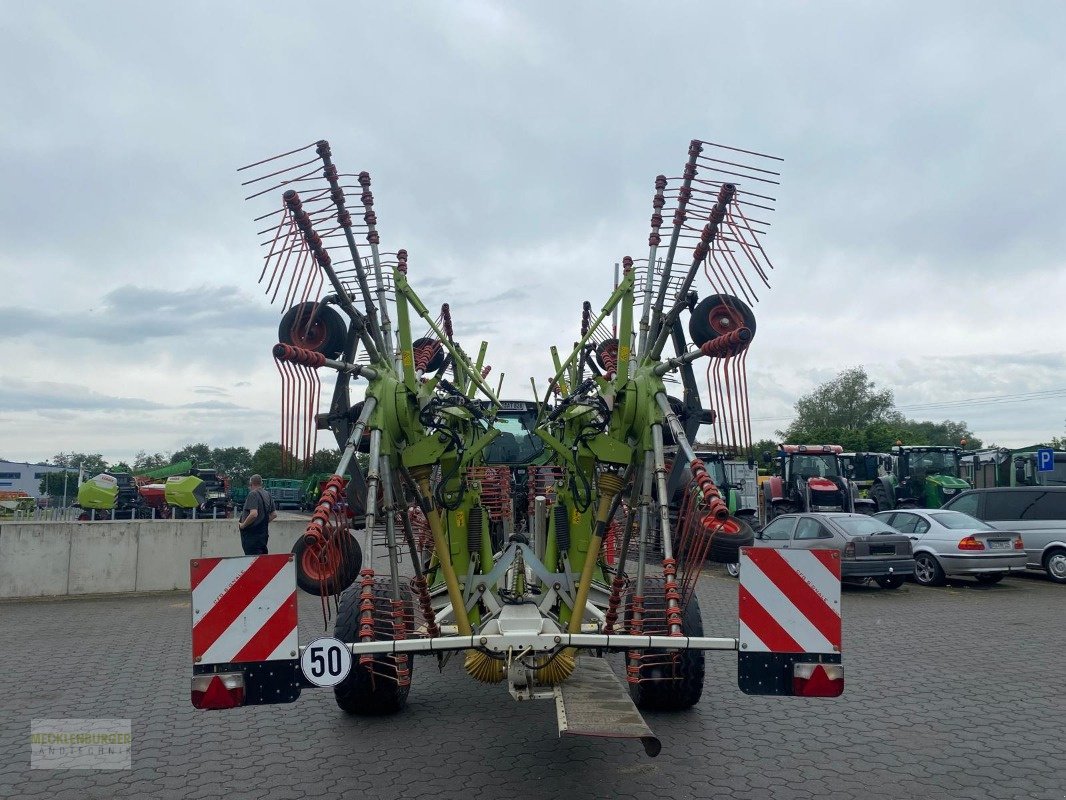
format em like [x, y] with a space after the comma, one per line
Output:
[1045, 460]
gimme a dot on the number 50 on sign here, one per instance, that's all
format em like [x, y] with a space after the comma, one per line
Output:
[326, 661]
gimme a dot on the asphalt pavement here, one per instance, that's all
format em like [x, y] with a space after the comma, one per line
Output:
[953, 692]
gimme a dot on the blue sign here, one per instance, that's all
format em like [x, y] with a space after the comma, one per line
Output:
[1045, 460]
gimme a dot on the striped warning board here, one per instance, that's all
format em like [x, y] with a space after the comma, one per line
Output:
[243, 609]
[789, 601]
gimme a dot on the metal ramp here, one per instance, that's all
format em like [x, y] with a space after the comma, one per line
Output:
[594, 702]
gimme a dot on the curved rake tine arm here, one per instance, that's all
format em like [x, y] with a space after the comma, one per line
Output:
[344, 218]
[653, 243]
[683, 194]
[407, 356]
[390, 527]
[624, 290]
[310, 358]
[371, 219]
[725, 196]
[322, 259]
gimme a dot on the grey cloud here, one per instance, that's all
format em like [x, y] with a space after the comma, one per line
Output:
[132, 315]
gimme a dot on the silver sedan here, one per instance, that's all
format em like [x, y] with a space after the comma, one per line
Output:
[950, 543]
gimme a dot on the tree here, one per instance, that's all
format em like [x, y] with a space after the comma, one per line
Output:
[849, 402]
[233, 462]
[267, 460]
[143, 462]
[91, 464]
[850, 411]
[199, 454]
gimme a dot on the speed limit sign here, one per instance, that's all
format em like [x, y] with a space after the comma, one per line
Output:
[326, 661]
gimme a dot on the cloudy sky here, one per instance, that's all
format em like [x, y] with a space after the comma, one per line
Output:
[919, 228]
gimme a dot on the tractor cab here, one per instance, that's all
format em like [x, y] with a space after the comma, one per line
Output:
[811, 478]
[922, 477]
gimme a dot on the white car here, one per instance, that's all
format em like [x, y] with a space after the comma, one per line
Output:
[950, 544]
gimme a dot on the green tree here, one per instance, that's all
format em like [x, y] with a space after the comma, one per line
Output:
[267, 460]
[849, 402]
[143, 461]
[233, 462]
[90, 463]
[199, 454]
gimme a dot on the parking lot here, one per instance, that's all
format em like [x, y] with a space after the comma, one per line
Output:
[951, 692]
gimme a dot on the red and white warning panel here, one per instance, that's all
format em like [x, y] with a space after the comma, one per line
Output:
[790, 631]
[243, 609]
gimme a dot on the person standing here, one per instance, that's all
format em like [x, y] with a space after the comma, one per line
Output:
[256, 517]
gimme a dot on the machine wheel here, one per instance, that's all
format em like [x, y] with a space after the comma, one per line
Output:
[890, 581]
[927, 570]
[990, 578]
[661, 689]
[328, 568]
[365, 691]
[718, 315]
[726, 543]
[1055, 564]
[880, 498]
[326, 334]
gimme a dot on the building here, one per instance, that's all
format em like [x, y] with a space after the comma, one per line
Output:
[21, 476]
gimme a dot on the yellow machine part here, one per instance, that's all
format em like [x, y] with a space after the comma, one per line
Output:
[184, 491]
[99, 493]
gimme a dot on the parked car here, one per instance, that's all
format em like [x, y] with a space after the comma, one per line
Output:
[868, 547]
[1038, 513]
[948, 544]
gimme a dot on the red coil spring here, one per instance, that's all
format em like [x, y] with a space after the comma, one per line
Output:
[609, 357]
[618, 586]
[425, 353]
[495, 490]
[425, 605]
[715, 507]
[366, 611]
[729, 344]
[298, 355]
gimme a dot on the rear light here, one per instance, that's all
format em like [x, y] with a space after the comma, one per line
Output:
[970, 543]
[218, 690]
[849, 550]
[1018, 544]
[817, 680]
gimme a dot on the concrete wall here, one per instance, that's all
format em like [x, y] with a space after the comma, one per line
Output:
[40, 559]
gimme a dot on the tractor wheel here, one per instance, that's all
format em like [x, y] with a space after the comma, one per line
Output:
[325, 335]
[328, 568]
[880, 498]
[718, 315]
[726, 542]
[669, 683]
[370, 689]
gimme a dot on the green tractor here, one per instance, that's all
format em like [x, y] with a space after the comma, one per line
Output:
[920, 477]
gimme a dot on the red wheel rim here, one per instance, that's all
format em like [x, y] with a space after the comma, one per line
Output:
[308, 337]
[724, 319]
[320, 562]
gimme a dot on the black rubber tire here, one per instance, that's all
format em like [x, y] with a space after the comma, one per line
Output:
[890, 581]
[936, 572]
[989, 578]
[725, 547]
[700, 328]
[362, 692]
[1056, 552]
[327, 334]
[880, 498]
[690, 667]
[351, 563]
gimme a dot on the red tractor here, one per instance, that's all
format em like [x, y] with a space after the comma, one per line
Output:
[811, 478]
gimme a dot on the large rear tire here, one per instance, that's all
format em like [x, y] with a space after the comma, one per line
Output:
[670, 684]
[366, 691]
[880, 498]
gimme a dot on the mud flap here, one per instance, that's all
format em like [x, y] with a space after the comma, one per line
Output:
[790, 631]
